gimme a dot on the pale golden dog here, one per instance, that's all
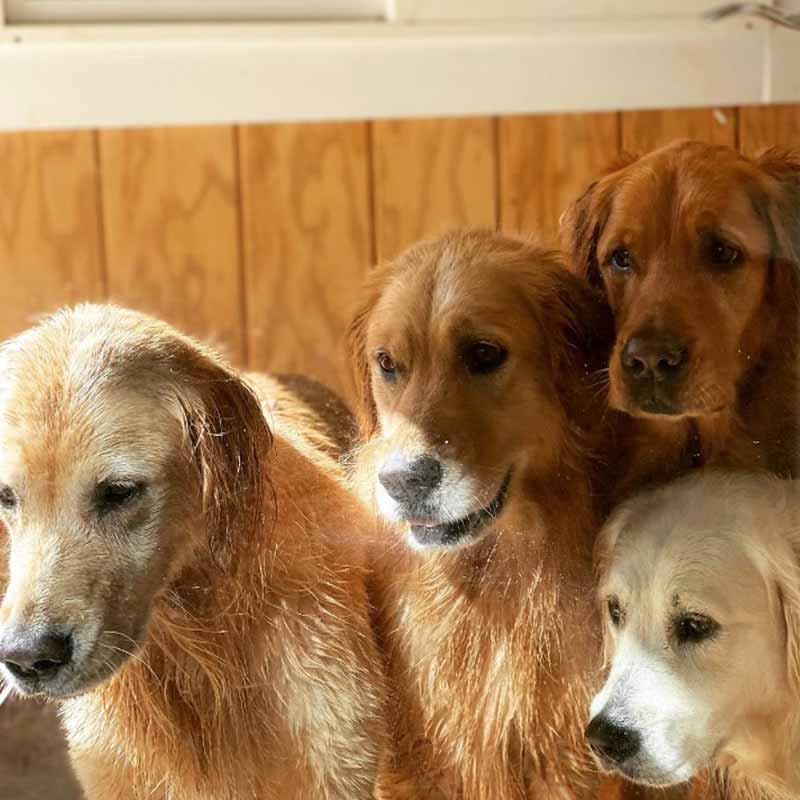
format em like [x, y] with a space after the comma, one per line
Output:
[473, 355]
[186, 582]
[700, 589]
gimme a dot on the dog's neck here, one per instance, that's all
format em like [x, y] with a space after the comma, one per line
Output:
[760, 432]
[499, 636]
[214, 664]
[548, 526]
[768, 404]
[768, 755]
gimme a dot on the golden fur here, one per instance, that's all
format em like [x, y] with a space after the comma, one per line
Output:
[233, 655]
[737, 401]
[491, 644]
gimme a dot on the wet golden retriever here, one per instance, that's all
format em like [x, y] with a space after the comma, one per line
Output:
[473, 357]
[700, 590]
[185, 579]
[698, 250]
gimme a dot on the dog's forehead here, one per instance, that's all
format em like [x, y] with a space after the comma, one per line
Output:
[667, 561]
[690, 192]
[61, 408]
[446, 297]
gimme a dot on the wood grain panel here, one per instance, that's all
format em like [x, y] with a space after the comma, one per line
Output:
[546, 161]
[767, 126]
[172, 231]
[646, 130]
[432, 175]
[307, 235]
[50, 248]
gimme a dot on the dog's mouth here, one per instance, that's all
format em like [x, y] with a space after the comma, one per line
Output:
[71, 680]
[656, 406]
[69, 683]
[641, 771]
[449, 534]
[650, 398]
[678, 399]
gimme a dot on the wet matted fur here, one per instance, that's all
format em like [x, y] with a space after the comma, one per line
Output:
[208, 568]
[702, 245]
[491, 640]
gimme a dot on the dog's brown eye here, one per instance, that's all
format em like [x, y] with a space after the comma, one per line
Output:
[621, 260]
[693, 628]
[615, 611]
[111, 495]
[483, 357]
[8, 499]
[386, 363]
[723, 254]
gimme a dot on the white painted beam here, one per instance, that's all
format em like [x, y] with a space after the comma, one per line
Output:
[164, 75]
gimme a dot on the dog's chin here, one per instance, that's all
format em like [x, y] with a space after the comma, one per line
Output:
[73, 683]
[659, 405]
[645, 772]
[425, 535]
[645, 775]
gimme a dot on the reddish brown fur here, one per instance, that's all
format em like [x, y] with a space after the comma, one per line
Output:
[257, 676]
[739, 403]
[491, 647]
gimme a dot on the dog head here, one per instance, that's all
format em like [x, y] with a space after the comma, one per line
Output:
[127, 454]
[466, 351]
[698, 250]
[700, 590]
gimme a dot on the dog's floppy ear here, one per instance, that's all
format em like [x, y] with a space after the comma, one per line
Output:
[776, 554]
[582, 326]
[581, 223]
[785, 564]
[604, 547]
[360, 366]
[783, 168]
[587, 320]
[229, 440]
[607, 538]
[790, 602]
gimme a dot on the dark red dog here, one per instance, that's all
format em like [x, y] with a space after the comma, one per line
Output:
[698, 251]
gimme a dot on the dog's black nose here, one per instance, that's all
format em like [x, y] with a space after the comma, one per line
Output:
[654, 356]
[412, 482]
[612, 741]
[41, 655]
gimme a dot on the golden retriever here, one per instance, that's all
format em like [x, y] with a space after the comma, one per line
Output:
[185, 581]
[698, 250]
[700, 590]
[473, 358]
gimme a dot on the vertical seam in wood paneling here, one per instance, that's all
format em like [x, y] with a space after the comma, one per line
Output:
[240, 232]
[620, 133]
[498, 174]
[737, 139]
[371, 195]
[101, 212]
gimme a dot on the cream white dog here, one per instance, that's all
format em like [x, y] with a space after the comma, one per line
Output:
[700, 586]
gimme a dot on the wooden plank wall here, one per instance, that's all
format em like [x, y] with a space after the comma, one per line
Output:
[258, 237]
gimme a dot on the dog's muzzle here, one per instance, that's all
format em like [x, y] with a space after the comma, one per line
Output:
[613, 743]
[35, 659]
[449, 534]
[653, 367]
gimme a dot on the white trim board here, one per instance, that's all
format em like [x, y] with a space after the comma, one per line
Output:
[83, 11]
[439, 10]
[56, 77]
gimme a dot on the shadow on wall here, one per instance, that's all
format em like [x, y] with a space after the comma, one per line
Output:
[33, 754]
